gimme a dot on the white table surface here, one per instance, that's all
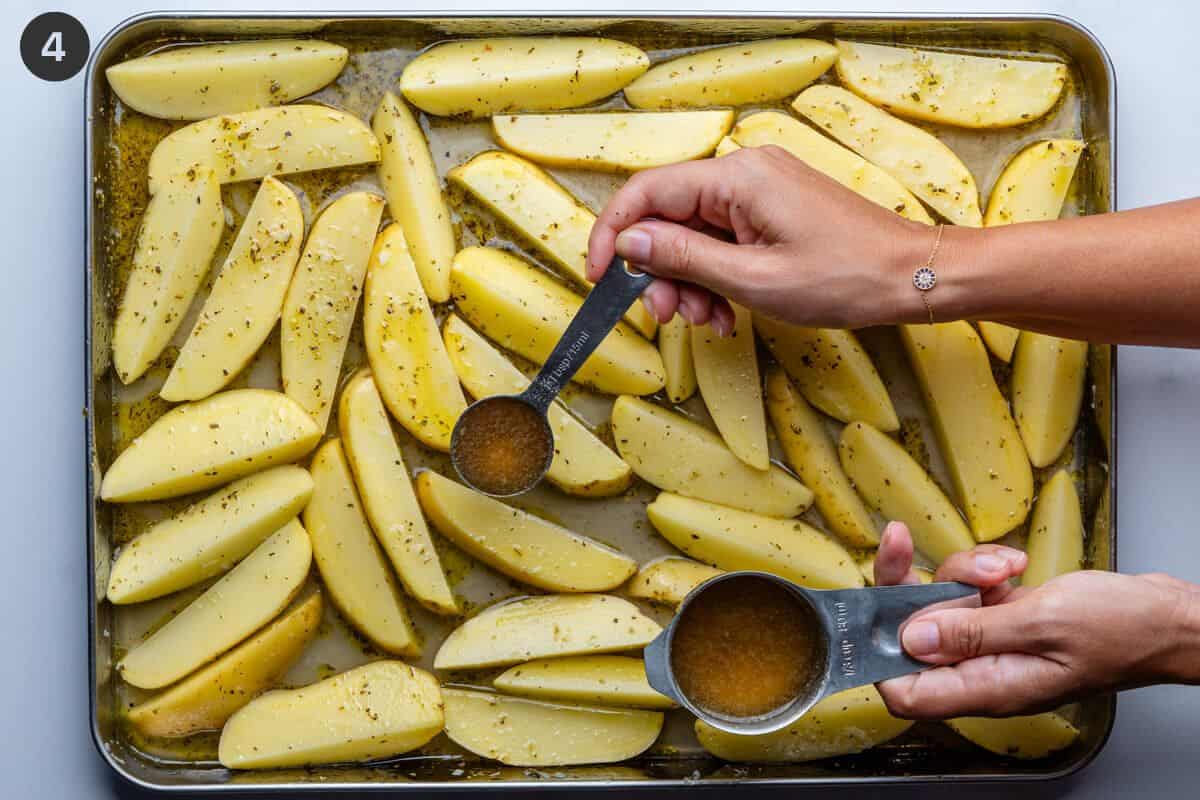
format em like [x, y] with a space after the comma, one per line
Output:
[45, 751]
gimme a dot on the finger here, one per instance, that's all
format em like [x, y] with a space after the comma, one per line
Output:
[985, 565]
[695, 304]
[723, 319]
[948, 636]
[1013, 683]
[661, 299]
[675, 251]
[893, 560]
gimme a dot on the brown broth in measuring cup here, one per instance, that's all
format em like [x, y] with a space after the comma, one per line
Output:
[502, 446]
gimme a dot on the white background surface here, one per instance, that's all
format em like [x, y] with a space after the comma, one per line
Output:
[45, 750]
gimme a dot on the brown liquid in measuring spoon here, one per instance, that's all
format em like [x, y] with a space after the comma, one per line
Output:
[502, 446]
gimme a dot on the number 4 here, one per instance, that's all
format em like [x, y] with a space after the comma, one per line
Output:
[53, 47]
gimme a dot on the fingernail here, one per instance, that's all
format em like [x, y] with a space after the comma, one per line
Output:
[721, 326]
[634, 245]
[648, 302]
[985, 562]
[922, 638]
[687, 309]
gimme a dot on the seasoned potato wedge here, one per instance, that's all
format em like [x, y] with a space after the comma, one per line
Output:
[269, 141]
[352, 568]
[727, 375]
[840, 725]
[388, 497]
[524, 310]
[742, 74]
[919, 160]
[975, 431]
[246, 297]
[197, 446]
[319, 309]
[602, 680]
[548, 217]
[951, 88]
[676, 454]
[546, 626]
[1047, 393]
[180, 231]
[524, 547]
[1035, 736]
[378, 710]
[813, 455]
[206, 80]
[405, 348]
[533, 733]
[1000, 339]
[414, 194]
[734, 540]
[248, 597]
[204, 700]
[208, 537]
[1055, 543]
[669, 579]
[675, 347]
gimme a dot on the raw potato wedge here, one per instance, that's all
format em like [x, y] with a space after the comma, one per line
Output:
[809, 451]
[613, 141]
[827, 156]
[482, 77]
[518, 544]
[894, 484]
[975, 432]
[601, 680]
[840, 725]
[548, 217]
[1055, 543]
[248, 597]
[951, 88]
[1000, 339]
[210, 79]
[669, 579]
[414, 194]
[1035, 736]
[208, 537]
[269, 141]
[179, 234]
[543, 627]
[206, 699]
[388, 496]
[378, 710]
[727, 374]
[321, 301]
[919, 160]
[832, 371]
[246, 297]
[525, 310]
[533, 733]
[352, 568]
[742, 74]
[1047, 393]
[196, 446]
[408, 359]
[675, 347]
[676, 454]
[736, 540]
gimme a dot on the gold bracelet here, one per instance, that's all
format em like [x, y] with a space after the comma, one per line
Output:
[925, 278]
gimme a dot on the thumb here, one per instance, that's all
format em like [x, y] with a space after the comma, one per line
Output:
[669, 250]
[957, 634]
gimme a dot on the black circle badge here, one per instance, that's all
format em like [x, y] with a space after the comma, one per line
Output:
[54, 46]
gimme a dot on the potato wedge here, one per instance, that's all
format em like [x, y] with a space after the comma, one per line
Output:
[675, 347]
[669, 579]
[951, 88]
[210, 696]
[246, 297]
[1035, 736]
[734, 540]
[248, 597]
[727, 374]
[532, 733]
[322, 299]
[1055, 543]
[197, 446]
[179, 234]
[210, 79]
[352, 568]
[726, 146]
[269, 141]
[813, 455]
[832, 371]
[975, 432]
[840, 725]
[524, 310]
[613, 141]
[388, 496]
[676, 454]
[408, 358]
[1047, 393]
[414, 194]
[919, 160]
[546, 626]
[545, 215]
[379, 710]
[827, 156]
[894, 484]
[208, 537]
[1000, 339]
[520, 545]
[735, 75]
[600, 680]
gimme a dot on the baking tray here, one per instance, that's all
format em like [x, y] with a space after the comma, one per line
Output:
[927, 753]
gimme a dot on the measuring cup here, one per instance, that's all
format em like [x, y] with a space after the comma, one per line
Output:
[859, 643]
